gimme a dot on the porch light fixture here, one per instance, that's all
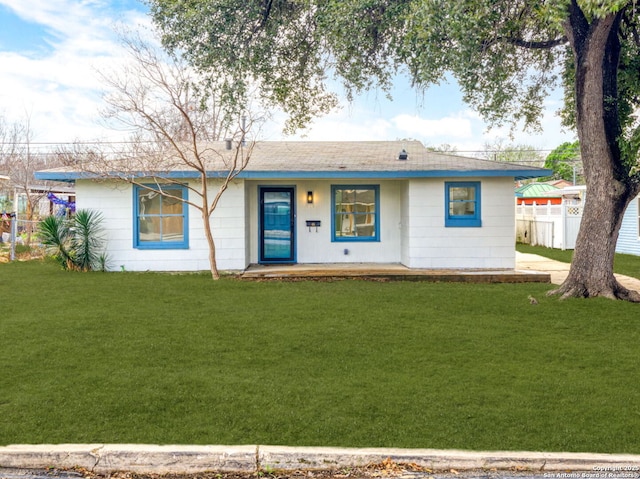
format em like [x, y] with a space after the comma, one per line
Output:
[310, 197]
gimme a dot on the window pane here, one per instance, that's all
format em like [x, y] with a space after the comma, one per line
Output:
[148, 202]
[172, 229]
[366, 199]
[348, 196]
[149, 228]
[172, 206]
[462, 209]
[462, 193]
[462, 201]
[355, 212]
[365, 225]
[345, 225]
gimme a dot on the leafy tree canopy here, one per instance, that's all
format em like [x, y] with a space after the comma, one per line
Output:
[505, 54]
[563, 160]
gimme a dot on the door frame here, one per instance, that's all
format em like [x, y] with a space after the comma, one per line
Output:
[277, 188]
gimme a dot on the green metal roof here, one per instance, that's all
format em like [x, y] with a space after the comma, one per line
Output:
[535, 190]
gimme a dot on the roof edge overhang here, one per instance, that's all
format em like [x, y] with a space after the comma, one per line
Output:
[293, 174]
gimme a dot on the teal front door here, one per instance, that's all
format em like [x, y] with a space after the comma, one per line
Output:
[277, 221]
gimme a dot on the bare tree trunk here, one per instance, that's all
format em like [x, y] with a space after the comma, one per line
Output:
[597, 51]
[206, 222]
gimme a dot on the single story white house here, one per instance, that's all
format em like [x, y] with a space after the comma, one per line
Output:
[320, 202]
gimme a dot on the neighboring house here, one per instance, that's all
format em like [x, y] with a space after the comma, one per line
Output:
[561, 183]
[539, 194]
[321, 202]
[629, 237]
[557, 227]
[553, 219]
[51, 200]
[44, 199]
[47, 200]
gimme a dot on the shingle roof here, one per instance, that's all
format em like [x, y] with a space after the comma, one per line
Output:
[357, 159]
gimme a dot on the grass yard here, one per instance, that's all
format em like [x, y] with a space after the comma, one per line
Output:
[179, 359]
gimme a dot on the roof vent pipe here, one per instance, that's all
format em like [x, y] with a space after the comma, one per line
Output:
[227, 142]
[403, 155]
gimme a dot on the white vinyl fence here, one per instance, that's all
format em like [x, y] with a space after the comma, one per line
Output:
[553, 226]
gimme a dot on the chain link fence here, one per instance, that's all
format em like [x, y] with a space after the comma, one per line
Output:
[18, 237]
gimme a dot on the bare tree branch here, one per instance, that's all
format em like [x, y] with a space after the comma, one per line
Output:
[178, 118]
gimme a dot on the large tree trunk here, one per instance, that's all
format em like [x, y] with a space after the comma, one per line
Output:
[591, 272]
[596, 50]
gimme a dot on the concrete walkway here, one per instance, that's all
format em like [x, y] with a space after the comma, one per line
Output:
[533, 262]
[559, 271]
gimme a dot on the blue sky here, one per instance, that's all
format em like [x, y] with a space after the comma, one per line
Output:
[50, 51]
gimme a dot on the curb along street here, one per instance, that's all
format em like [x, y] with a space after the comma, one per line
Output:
[150, 459]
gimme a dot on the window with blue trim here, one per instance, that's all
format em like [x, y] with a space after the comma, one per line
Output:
[462, 204]
[160, 219]
[355, 212]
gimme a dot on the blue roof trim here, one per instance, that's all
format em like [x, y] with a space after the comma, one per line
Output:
[292, 174]
[393, 174]
[69, 177]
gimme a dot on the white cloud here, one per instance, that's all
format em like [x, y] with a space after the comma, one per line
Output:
[450, 127]
[551, 133]
[340, 130]
[59, 89]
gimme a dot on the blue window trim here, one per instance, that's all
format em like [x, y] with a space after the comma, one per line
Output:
[184, 192]
[350, 239]
[464, 221]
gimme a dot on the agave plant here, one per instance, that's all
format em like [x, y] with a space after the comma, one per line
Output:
[77, 242]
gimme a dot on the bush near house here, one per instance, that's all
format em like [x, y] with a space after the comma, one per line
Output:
[76, 242]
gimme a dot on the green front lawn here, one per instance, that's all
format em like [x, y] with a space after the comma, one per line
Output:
[160, 358]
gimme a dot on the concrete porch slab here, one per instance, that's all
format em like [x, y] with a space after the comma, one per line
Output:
[389, 272]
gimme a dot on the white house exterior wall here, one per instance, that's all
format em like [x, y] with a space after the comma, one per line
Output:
[316, 246]
[247, 223]
[411, 218]
[432, 245]
[405, 219]
[629, 236]
[115, 201]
